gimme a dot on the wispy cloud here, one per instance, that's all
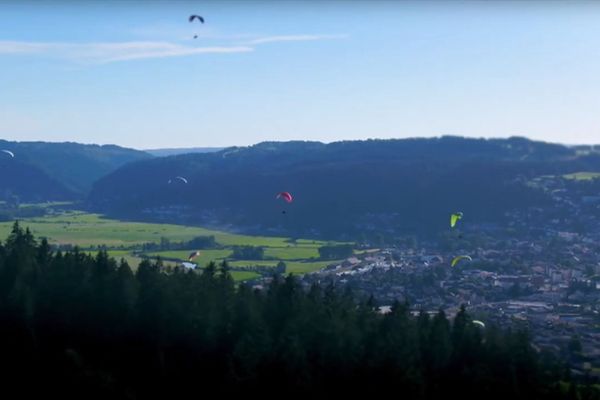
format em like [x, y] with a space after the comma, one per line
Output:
[100, 53]
[115, 51]
[172, 32]
[292, 38]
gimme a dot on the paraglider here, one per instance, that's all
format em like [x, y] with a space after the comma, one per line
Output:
[194, 16]
[10, 153]
[477, 322]
[193, 255]
[286, 196]
[227, 153]
[454, 218]
[181, 178]
[456, 259]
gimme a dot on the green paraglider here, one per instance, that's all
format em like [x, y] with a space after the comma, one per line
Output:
[454, 218]
[456, 259]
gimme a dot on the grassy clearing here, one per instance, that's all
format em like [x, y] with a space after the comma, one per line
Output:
[132, 260]
[47, 204]
[359, 252]
[292, 253]
[228, 239]
[293, 267]
[239, 276]
[83, 229]
[299, 267]
[582, 176]
[252, 263]
[92, 231]
[205, 255]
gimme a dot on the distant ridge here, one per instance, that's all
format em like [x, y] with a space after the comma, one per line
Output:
[68, 169]
[343, 188]
[178, 151]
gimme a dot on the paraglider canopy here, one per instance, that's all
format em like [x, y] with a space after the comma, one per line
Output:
[227, 153]
[454, 218]
[181, 178]
[10, 153]
[286, 196]
[193, 255]
[456, 259]
[194, 16]
[476, 322]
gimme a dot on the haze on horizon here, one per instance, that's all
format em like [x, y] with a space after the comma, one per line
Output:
[132, 74]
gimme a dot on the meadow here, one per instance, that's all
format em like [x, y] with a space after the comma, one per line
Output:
[582, 176]
[123, 239]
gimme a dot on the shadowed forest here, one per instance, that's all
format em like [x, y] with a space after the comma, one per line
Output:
[83, 326]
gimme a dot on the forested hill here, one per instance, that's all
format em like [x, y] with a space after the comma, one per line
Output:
[185, 150]
[343, 187]
[24, 182]
[73, 167]
[78, 326]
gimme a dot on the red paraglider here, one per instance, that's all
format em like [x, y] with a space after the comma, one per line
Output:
[193, 255]
[286, 196]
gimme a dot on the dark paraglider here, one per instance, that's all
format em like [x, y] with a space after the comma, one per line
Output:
[194, 16]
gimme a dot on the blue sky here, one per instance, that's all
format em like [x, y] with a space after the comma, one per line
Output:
[131, 73]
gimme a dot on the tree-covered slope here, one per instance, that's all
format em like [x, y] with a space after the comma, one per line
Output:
[340, 188]
[22, 182]
[74, 166]
[77, 326]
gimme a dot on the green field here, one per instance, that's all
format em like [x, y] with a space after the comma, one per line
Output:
[205, 255]
[293, 267]
[131, 259]
[292, 252]
[48, 204]
[79, 228]
[243, 275]
[121, 238]
[298, 267]
[582, 176]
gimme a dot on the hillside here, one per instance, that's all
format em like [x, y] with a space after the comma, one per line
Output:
[81, 326]
[21, 182]
[343, 188]
[177, 151]
[73, 166]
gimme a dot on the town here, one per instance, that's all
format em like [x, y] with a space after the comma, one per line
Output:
[541, 270]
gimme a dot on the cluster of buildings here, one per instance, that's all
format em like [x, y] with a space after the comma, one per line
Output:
[540, 270]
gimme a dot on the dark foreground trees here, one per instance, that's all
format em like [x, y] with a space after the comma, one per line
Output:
[88, 327]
